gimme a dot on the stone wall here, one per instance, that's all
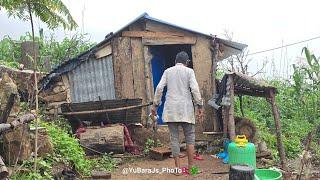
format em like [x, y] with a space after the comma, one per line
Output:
[58, 94]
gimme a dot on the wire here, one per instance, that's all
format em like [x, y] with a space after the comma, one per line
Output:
[258, 52]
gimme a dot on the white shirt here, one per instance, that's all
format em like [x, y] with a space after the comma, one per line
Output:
[181, 82]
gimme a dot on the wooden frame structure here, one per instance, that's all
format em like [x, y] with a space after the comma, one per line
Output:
[240, 84]
[129, 49]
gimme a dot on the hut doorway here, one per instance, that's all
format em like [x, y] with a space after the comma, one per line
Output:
[163, 57]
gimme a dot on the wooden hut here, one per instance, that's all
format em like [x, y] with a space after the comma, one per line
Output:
[128, 64]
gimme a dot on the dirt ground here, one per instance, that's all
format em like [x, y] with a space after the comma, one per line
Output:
[207, 166]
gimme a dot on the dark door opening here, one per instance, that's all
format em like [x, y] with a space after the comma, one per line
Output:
[163, 58]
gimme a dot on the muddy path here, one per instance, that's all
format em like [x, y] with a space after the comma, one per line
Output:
[207, 166]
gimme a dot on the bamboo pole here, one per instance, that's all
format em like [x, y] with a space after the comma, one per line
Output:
[105, 110]
[276, 116]
[35, 85]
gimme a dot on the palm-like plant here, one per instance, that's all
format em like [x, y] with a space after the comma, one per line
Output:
[52, 12]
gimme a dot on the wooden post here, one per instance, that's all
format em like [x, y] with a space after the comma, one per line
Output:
[225, 120]
[276, 116]
[231, 124]
[214, 53]
[148, 76]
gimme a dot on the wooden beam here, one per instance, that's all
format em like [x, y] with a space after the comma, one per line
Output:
[276, 116]
[104, 51]
[169, 40]
[151, 34]
[104, 110]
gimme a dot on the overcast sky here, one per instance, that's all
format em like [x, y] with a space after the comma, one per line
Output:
[261, 24]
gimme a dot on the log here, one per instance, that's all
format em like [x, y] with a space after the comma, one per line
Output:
[276, 116]
[241, 172]
[103, 139]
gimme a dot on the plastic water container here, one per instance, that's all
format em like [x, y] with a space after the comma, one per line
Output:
[242, 152]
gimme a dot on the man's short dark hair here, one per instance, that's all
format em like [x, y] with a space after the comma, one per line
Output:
[182, 57]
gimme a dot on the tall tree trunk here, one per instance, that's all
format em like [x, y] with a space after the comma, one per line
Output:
[35, 86]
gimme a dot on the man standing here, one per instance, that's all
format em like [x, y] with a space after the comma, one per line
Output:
[178, 109]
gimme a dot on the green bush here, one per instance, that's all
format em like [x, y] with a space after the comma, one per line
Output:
[298, 101]
[49, 47]
[67, 151]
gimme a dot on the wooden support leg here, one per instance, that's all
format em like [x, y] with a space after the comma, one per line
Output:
[276, 116]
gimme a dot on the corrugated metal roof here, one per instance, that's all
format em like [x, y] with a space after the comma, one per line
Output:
[65, 66]
[92, 79]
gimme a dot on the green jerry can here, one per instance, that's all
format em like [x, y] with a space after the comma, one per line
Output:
[242, 152]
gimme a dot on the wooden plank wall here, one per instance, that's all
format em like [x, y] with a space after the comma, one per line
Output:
[202, 65]
[133, 75]
[122, 65]
[137, 56]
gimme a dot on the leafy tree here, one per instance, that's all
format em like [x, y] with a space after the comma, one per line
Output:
[52, 12]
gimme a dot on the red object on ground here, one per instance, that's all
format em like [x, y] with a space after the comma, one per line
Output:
[185, 170]
[80, 130]
[128, 143]
[198, 157]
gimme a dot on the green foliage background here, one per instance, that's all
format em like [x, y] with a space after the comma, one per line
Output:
[67, 151]
[299, 105]
[56, 51]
